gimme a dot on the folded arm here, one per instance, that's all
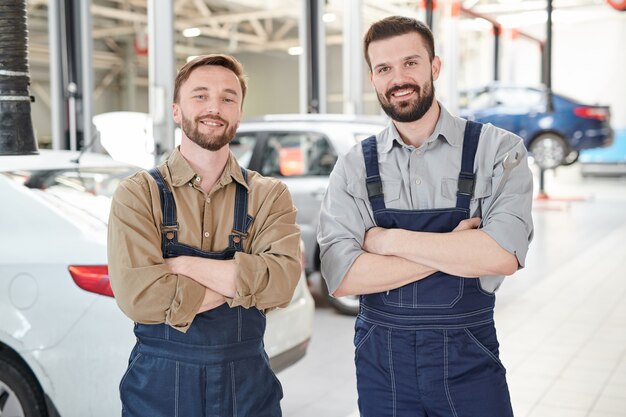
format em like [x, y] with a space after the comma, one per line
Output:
[145, 288]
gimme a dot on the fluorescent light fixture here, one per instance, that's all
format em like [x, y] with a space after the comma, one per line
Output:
[191, 32]
[295, 50]
[191, 57]
[329, 17]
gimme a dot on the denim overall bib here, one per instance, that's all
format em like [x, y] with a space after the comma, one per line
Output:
[429, 348]
[219, 367]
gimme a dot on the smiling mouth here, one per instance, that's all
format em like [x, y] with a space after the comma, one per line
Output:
[401, 93]
[211, 123]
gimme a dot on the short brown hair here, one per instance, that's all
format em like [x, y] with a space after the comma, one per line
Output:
[395, 26]
[221, 60]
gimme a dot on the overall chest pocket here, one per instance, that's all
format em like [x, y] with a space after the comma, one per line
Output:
[438, 290]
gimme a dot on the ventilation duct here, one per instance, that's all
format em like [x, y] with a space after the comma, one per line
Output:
[16, 126]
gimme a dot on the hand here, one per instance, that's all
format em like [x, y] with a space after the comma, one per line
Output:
[376, 240]
[468, 224]
[176, 265]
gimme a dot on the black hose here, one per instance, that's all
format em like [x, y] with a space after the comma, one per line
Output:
[16, 127]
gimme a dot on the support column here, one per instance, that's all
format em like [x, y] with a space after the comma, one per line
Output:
[58, 112]
[352, 58]
[161, 73]
[313, 58]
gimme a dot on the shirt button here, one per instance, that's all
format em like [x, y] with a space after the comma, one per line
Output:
[208, 200]
[418, 181]
[207, 234]
[198, 179]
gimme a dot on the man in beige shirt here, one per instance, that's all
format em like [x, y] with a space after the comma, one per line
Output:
[198, 249]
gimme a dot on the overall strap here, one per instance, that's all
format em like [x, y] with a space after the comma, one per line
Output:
[241, 219]
[373, 182]
[169, 226]
[467, 177]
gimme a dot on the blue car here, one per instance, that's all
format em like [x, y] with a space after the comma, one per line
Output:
[554, 138]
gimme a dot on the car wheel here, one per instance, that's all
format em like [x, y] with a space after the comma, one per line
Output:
[549, 150]
[571, 158]
[348, 305]
[20, 394]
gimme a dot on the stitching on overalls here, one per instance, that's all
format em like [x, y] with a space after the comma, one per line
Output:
[232, 376]
[393, 380]
[239, 324]
[445, 372]
[139, 355]
[360, 344]
[484, 349]
[176, 389]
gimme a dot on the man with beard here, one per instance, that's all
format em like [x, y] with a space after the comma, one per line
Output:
[198, 249]
[399, 226]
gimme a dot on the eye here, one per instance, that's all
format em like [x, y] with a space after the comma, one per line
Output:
[200, 97]
[382, 70]
[228, 100]
[411, 63]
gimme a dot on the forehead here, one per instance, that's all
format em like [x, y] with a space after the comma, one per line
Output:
[396, 48]
[212, 77]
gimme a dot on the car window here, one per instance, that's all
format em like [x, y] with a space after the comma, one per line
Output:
[475, 100]
[297, 154]
[87, 190]
[242, 147]
[518, 97]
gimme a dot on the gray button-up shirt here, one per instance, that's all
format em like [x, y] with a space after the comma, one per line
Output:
[426, 178]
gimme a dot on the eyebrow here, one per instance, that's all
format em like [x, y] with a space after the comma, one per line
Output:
[226, 90]
[404, 59]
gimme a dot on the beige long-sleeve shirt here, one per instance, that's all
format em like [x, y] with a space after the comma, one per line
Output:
[144, 287]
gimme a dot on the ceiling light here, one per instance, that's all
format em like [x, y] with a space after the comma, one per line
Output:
[191, 57]
[329, 17]
[295, 50]
[191, 32]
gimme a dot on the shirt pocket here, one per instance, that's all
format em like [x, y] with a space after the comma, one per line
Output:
[482, 190]
[391, 190]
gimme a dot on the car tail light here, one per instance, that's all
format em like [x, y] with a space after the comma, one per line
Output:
[92, 278]
[596, 113]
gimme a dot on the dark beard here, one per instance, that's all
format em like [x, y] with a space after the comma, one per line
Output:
[408, 111]
[206, 141]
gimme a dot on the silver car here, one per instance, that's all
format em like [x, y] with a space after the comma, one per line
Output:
[301, 150]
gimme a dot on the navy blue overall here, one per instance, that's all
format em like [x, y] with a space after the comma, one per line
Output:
[219, 367]
[429, 348]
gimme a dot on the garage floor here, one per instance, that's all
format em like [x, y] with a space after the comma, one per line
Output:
[561, 320]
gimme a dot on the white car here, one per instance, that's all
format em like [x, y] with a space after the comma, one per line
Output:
[64, 344]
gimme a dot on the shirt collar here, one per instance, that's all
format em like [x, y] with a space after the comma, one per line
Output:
[182, 173]
[446, 129]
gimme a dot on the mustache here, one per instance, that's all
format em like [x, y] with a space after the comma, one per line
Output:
[401, 87]
[211, 117]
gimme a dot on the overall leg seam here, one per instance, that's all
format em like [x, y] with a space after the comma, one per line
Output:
[445, 372]
[391, 374]
[233, 389]
[176, 389]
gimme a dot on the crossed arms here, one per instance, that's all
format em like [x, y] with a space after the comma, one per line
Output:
[396, 257]
[150, 289]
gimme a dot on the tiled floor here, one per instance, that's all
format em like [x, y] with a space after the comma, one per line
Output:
[561, 321]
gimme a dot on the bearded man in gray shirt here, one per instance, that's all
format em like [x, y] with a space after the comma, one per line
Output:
[423, 221]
